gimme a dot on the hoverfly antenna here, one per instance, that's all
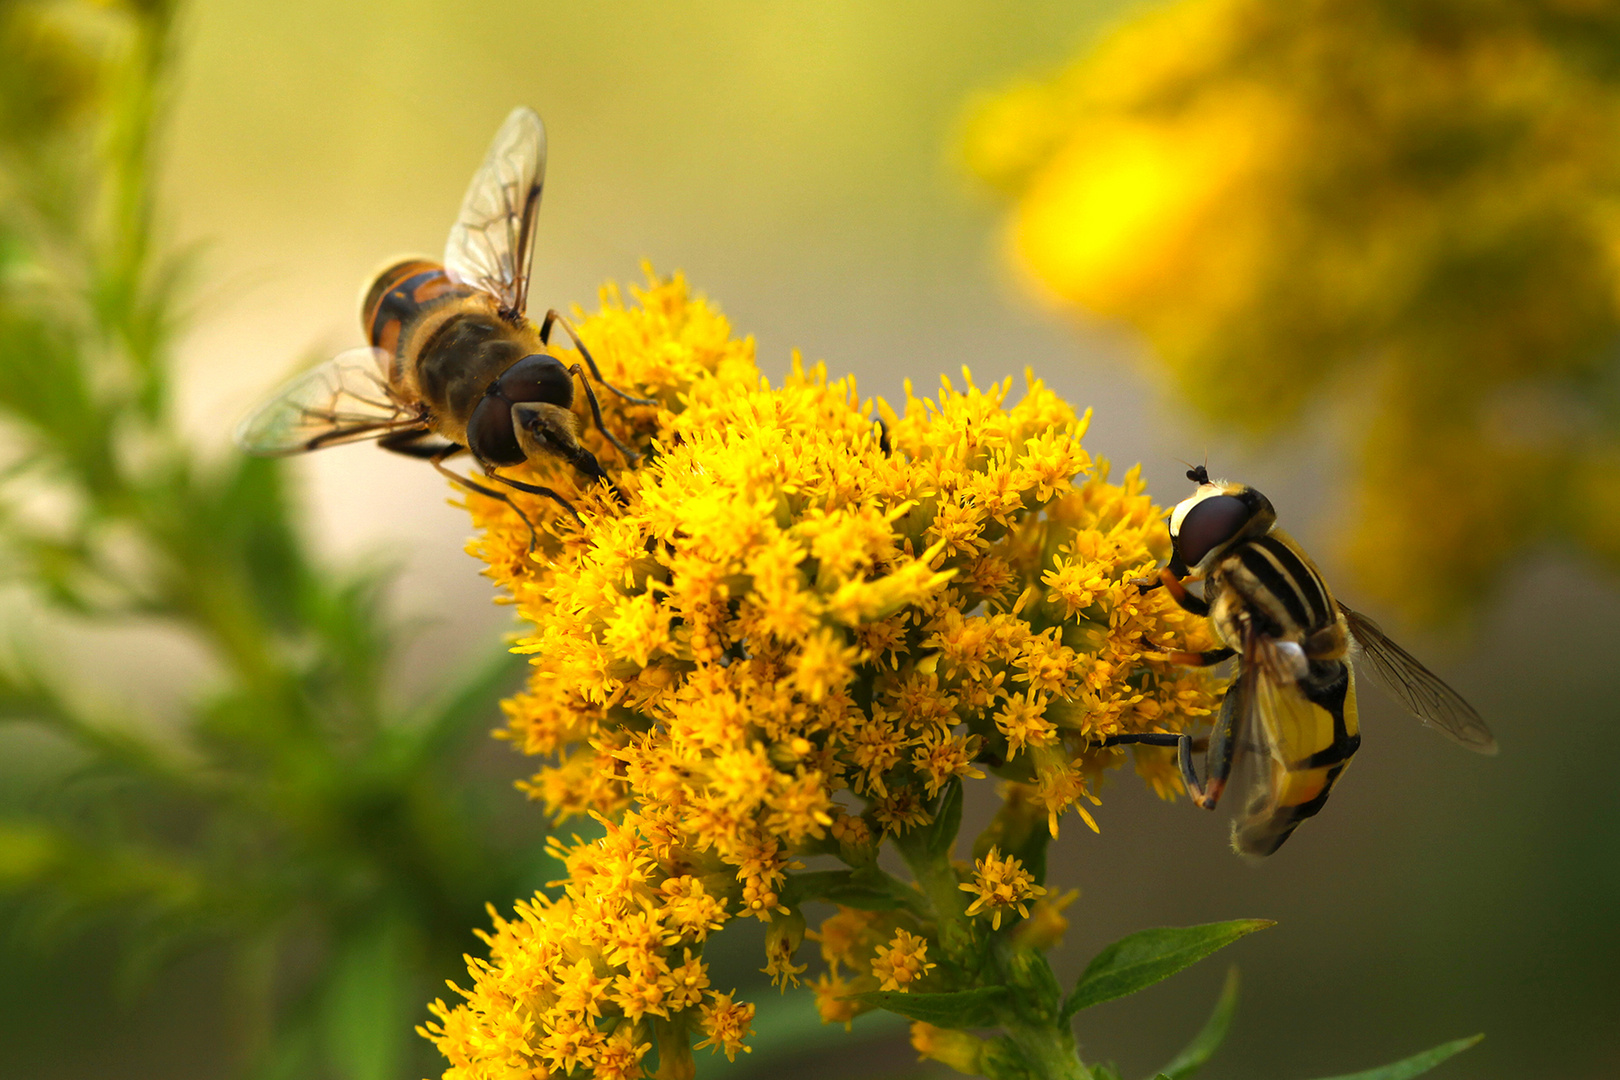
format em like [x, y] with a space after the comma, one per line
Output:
[1198, 474]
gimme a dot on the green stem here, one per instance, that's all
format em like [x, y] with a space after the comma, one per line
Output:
[1034, 1024]
[1048, 1050]
[938, 882]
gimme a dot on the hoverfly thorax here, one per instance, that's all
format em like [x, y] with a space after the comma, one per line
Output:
[1212, 519]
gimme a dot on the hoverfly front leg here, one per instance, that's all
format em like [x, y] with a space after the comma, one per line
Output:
[535, 489]
[1207, 658]
[630, 457]
[1178, 591]
[448, 450]
[555, 316]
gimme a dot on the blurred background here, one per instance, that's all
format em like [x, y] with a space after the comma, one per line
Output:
[1361, 256]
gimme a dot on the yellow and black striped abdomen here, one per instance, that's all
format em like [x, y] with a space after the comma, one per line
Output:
[1312, 730]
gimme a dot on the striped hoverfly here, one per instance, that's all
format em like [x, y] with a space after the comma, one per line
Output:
[1290, 711]
[453, 363]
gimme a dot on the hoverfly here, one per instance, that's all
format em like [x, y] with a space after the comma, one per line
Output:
[1291, 708]
[453, 363]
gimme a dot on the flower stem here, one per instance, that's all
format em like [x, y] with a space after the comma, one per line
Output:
[1048, 1050]
[1034, 1024]
[938, 882]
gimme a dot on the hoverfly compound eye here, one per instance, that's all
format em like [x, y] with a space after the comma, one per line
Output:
[1209, 523]
[536, 377]
[490, 435]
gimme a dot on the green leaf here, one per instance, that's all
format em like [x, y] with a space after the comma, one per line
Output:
[959, 1009]
[933, 841]
[1144, 958]
[947, 820]
[1203, 1046]
[1417, 1064]
[866, 888]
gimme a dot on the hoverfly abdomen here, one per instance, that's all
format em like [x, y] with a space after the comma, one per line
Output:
[399, 295]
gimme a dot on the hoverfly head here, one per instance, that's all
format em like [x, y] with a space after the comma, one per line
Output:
[499, 434]
[1215, 516]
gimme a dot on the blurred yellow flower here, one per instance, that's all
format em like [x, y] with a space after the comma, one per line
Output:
[1409, 207]
[958, 1049]
[800, 628]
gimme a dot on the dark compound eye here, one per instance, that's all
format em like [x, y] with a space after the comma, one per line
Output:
[489, 433]
[536, 377]
[1209, 525]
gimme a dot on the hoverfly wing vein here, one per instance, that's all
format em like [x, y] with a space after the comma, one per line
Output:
[492, 243]
[1424, 693]
[346, 399]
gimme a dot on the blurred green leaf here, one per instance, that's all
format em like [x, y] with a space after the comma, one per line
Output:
[1416, 1065]
[368, 1000]
[1209, 1038]
[866, 887]
[1146, 957]
[975, 1008]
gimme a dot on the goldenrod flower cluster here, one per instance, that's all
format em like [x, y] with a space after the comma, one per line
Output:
[805, 619]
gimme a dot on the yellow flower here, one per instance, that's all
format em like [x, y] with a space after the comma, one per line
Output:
[998, 884]
[1046, 924]
[726, 1024]
[833, 993]
[901, 962]
[797, 629]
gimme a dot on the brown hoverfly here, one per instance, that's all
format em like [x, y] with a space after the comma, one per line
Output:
[454, 364]
[1290, 711]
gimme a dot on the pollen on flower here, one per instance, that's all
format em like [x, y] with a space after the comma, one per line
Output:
[1000, 884]
[796, 630]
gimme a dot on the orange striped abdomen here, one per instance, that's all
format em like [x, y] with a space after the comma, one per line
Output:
[399, 295]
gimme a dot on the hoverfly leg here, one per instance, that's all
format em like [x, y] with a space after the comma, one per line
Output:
[630, 457]
[1207, 658]
[1197, 605]
[410, 444]
[1203, 794]
[450, 450]
[555, 316]
[544, 492]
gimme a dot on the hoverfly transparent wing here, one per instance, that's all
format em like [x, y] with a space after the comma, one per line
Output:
[346, 399]
[1291, 750]
[492, 242]
[1423, 692]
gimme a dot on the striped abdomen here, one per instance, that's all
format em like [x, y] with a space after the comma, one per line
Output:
[1309, 711]
[399, 296]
